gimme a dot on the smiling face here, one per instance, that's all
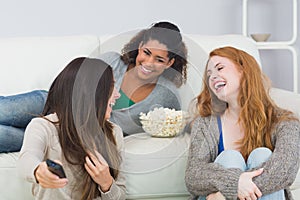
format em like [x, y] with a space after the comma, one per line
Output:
[111, 102]
[152, 60]
[224, 78]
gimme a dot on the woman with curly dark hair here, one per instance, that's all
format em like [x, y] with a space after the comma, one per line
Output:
[153, 64]
[148, 72]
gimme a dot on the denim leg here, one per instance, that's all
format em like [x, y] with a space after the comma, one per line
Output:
[258, 156]
[11, 138]
[18, 110]
[279, 195]
[231, 159]
[255, 159]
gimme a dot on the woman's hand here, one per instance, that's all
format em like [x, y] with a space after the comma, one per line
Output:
[46, 178]
[99, 171]
[216, 196]
[247, 190]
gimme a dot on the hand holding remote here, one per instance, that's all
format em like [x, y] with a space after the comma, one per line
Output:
[48, 176]
[56, 168]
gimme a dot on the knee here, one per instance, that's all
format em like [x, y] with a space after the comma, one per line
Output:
[259, 156]
[230, 153]
[39, 94]
[231, 159]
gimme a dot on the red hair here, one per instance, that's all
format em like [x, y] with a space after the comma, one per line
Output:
[258, 113]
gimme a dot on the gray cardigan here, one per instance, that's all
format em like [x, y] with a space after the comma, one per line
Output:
[204, 177]
[164, 94]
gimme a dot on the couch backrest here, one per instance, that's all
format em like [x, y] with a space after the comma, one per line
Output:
[29, 63]
[33, 62]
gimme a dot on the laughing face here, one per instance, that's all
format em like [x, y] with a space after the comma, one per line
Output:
[111, 102]
[152, 60]
[224, 78]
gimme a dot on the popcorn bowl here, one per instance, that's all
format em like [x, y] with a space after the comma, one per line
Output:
[163, 122]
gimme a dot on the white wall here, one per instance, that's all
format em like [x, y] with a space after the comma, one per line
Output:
[70, 17]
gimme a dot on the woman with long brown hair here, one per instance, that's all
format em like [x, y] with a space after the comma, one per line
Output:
[242, 145]
[74, 131]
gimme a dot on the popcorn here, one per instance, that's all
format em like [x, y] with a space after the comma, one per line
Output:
[163, 122]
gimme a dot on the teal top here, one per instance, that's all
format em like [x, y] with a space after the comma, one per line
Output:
[123, 102]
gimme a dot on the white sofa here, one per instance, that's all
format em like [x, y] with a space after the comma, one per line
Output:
[154, 167]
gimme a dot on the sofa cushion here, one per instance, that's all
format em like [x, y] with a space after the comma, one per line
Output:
[12, 186]
[155, 167]
[33, 62]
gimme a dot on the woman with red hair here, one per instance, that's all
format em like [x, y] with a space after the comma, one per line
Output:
[242, 145]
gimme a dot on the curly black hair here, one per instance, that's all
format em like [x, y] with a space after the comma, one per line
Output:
[165, 33]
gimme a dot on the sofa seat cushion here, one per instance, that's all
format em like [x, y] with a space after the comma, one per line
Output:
[155, 167]
[12, 186]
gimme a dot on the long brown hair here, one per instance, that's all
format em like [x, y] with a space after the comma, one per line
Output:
[79, 96]
[258, 113]
[165, 33]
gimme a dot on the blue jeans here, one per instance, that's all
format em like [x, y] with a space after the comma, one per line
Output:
[234, 159]
[16, 111]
